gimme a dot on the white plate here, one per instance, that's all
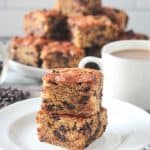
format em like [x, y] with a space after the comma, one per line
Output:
[128, 128]
[32, 72]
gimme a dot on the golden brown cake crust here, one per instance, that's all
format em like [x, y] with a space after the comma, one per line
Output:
[73, 75]
[78, 7]
[28, 40]
[88, 31]
[89, 21]
[43, 13]
[62, 47]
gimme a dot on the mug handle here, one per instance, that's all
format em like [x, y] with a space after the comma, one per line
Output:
[91, 59]
[5, 56]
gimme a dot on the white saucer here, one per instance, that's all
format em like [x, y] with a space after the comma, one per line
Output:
[128, 127]
[29, 71]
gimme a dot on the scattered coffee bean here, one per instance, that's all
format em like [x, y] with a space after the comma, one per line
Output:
[9, 96]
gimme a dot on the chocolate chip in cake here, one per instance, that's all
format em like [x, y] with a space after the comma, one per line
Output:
[52, 82]
[63, 129]
[83, 99]
[59, 136]
[56, 117]
[91, 138]
[49, 125]
[69, 105]
[86, 89]
[86, 129]
[102, 28]
[74, 126]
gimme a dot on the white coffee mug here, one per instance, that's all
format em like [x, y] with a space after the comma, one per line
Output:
[124, 78]
[4, 57]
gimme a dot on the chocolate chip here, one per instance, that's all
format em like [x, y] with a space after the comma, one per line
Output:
[59, 136]
[49, 125]
[83, 99]
[52, 82]
[55, 71]
[50, 107]
[9, 96]
[89, 141]
[86, 129]
[56, 117]
[116, 10]
[74, 127]
[69, 105]
[86, 89]
[66, 60]
[63, 129]
[102, 28]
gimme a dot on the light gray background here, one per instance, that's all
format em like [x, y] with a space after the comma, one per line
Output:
[12, 12]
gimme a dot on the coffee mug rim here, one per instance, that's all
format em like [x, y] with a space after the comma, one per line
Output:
[106, 52]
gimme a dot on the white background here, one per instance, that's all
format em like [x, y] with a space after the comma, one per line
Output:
[12, 11]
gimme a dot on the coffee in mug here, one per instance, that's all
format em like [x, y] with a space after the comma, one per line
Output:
[133, 53]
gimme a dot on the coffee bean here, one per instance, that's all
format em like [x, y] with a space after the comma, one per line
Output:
[9, 96]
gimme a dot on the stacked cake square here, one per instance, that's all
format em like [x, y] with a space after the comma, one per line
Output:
[71, 30]
[71, 114]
